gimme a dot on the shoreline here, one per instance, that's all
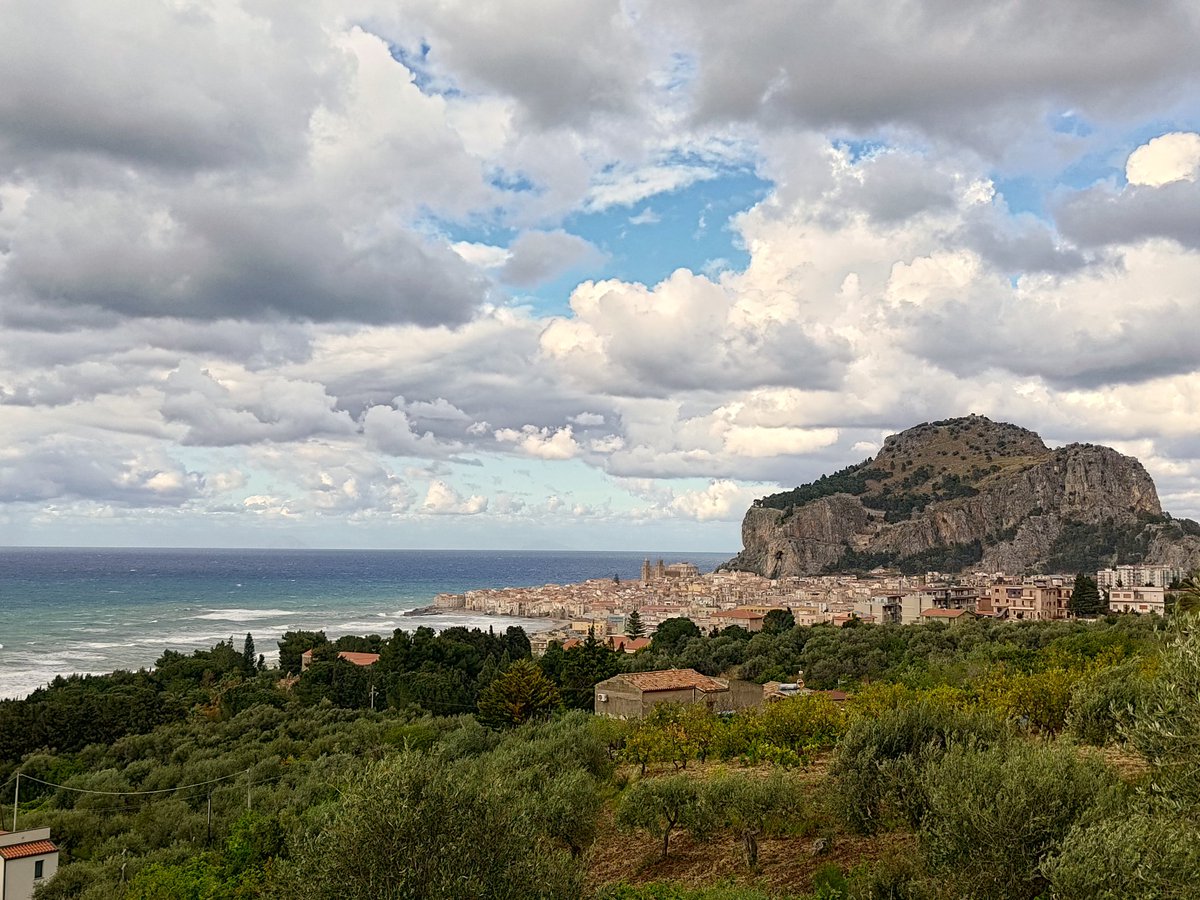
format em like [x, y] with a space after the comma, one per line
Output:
[431, 610]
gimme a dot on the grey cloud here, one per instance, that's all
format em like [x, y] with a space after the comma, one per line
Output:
[896, 186]
[1101, 216]
[1020, 244]
[209, 257]
[74, 468]
[538, 256]
[565, 64]
[272, 410]
[935, 64]
[1058, 346]
[149, 83]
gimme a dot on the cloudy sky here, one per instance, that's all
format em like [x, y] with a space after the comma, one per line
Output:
[590, 275]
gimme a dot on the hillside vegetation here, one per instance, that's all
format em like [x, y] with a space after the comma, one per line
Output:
[954, 739]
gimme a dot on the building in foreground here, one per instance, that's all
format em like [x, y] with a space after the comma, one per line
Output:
[1137, 600]
[27, 859]
[632, 695]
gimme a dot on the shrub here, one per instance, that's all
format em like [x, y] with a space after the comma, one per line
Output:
[992, 816]
[418, 827]
[1166, 725]
[877, 767]
[1102, 704]
[1143, 855]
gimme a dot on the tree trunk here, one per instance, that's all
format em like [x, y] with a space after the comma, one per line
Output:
[751, 844]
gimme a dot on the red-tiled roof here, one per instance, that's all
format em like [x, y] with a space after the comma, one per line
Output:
[29, 848]
[359, 659]
[351, 656]
[628, 644]
[944, 613]
[673, 680]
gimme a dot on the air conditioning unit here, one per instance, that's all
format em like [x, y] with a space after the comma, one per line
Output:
[603, 698]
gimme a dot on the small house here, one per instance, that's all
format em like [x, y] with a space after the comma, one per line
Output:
[27, 859]
[632, 695]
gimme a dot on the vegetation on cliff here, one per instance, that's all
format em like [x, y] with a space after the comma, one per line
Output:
[968, 492]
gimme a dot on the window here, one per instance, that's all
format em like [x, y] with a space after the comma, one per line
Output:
[37, 868]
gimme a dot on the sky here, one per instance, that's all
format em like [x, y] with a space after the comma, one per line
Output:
[588, 275]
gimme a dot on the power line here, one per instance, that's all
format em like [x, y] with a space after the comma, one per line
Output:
[170, 790]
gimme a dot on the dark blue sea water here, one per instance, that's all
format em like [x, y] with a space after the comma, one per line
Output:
[98, 610]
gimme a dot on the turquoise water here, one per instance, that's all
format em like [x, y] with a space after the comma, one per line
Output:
[98, 610]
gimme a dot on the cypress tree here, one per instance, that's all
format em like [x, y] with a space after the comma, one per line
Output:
[1085, 597]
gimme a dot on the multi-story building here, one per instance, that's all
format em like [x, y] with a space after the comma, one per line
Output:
[1137, 576]
[1039, 600]
[1137, 600]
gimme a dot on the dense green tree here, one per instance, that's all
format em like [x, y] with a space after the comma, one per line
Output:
[517, 695]
[417, 827]
[778, 620]
[581, 668]
[672, 634]
[1187, 595]
[293, 644]
[1085, 598]
[1033, 795]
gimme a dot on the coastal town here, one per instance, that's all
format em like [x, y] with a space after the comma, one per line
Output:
[717, 600]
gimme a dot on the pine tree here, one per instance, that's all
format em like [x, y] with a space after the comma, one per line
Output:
[633, 625]
[518, 695]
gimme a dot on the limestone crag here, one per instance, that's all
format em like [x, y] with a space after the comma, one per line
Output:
[968, 492]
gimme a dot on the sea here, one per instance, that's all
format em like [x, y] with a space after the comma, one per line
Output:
[94, 611]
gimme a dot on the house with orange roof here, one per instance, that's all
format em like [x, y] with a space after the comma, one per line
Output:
[632, 695]
[27, 859]
[626, 644]
[350, 656]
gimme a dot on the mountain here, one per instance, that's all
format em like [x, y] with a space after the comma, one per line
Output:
[969, 493]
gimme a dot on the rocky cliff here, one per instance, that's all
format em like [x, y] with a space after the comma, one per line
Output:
[969, 493]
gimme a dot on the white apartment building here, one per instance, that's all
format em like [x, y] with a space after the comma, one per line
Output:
[1138, 600]
[1137, 576]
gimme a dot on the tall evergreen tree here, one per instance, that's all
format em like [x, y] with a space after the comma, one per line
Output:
[633, 625]
[1085, 598]
[518, 695]
[249, 656]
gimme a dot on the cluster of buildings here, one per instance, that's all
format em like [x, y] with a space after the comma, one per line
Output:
[721, 599]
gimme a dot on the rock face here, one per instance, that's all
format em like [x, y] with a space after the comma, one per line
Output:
[969, 493]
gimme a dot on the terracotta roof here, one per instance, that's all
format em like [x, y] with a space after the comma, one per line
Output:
[944, 613]
[351, 656]
[673, 680]
[30, 848]
[628, 644]
[359, 659]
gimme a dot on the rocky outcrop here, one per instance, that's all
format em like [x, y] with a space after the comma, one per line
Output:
[967, 489]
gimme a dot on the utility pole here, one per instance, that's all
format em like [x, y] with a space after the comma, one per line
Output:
[16, 800]
[372, 698]
[208, 838]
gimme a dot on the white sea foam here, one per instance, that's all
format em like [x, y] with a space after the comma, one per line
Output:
[243, 615]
